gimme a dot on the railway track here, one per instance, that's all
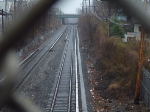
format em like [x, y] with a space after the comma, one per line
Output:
[25, 62]
[34, 58]
[64, 91]
[62, 97]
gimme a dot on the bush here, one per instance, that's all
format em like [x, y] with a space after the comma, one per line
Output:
[115, 29]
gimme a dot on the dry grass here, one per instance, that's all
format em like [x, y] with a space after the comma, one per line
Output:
[116, 61]
[113, 86]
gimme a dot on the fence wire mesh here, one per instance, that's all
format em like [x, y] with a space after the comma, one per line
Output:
[18, 30]
[145, 88]
[10, 38]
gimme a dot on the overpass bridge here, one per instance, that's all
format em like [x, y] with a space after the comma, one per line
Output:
[63, 16]
[68, 15]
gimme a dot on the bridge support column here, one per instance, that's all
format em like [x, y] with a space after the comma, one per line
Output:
[63, 21]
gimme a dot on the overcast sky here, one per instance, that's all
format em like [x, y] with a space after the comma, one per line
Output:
[69, 6]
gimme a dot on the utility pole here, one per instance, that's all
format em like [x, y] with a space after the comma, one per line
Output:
[14, 9]
[94, 8]
[44, 21]
[54, 14]
[2, 21]
[49, 20]
[137, 91]
[6, 5]
[83, 7]
[89, 6]
[108, 18]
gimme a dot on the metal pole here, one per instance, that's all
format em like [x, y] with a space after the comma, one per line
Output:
[108, 18]
[49, 25]
[137, 91]
[2, 21]
[89, 6]
[44, 22]
[18, 30]
[14, 9]
[83, 7]
[6, 5]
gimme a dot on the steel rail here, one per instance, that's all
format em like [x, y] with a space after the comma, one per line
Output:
[60, 74]
[39, 60]
[57, 40]
[9, 39]
[26, 59]
[76, 74]
[22, 63]
[70, 85]
[41, 50]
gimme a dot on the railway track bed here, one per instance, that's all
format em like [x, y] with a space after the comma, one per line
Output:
[53, 83]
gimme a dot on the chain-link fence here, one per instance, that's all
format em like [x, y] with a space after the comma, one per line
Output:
[145, 88]
[9, 39]
[18, 30]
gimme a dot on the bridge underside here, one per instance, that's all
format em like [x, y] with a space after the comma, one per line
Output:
[64, 16]
[63, 21]
[68, 16]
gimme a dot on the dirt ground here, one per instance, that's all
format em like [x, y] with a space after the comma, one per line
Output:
[102, 99]
[104, 102]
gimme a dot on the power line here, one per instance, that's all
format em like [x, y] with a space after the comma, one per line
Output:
[100, 18]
